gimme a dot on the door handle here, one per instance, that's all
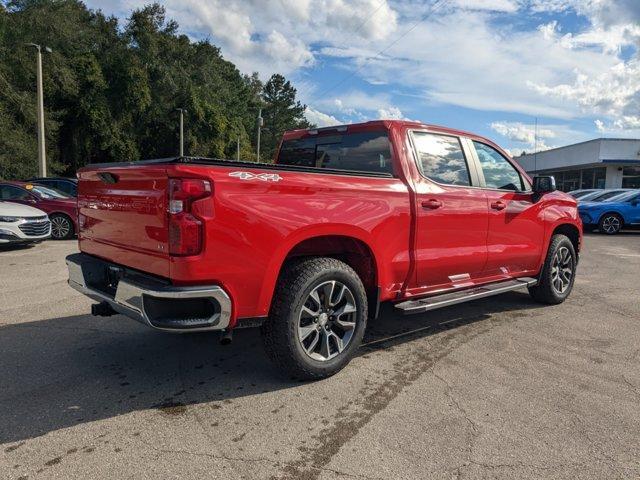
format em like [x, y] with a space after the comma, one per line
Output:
[499, 205]
[431, 204]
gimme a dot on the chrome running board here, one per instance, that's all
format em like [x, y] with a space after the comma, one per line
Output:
[452, 298]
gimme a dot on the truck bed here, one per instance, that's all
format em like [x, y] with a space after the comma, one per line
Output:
[251, 222]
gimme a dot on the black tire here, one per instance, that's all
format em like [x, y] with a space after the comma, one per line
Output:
[296, 284]
[61, 226]
[610, 224]
[547, 291]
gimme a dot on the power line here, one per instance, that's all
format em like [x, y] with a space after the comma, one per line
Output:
[434, 7]
[364, 22]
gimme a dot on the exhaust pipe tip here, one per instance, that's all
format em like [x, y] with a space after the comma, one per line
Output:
[102, 309]
[226, 337]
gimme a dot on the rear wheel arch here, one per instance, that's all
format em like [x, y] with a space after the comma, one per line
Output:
[353, 251]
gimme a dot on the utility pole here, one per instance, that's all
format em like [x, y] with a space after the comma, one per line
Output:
[260, 124]
[535, 148]
[181, 110]
[238, 150]
[42, 156]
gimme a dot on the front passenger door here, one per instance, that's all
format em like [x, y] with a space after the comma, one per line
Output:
[516, 224]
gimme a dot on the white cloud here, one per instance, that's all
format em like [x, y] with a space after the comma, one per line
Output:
[467, 62]
[358, 106]
[614, 92]
[321, 119]
[523, 135]
[492, 5]
[392, 113]
[520, 132]
[458, 55]
[277, 35]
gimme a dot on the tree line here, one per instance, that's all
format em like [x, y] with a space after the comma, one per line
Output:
[111, 91]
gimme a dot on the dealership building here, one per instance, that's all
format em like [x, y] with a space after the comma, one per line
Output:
[599, 163]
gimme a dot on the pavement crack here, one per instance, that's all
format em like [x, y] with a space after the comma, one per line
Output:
[475, 430]
[229, 458]
[372, 399]
[635, 390]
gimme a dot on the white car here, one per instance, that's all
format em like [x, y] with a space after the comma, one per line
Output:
[22, 224]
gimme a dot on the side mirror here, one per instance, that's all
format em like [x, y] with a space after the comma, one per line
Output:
[544, 184]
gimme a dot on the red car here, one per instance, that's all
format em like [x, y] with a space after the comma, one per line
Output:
[61, 208]
[348, 217]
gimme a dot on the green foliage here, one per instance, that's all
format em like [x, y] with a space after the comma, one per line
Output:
[282, 112]
[111, 91]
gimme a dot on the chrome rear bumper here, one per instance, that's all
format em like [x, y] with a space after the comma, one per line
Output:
[150, 301]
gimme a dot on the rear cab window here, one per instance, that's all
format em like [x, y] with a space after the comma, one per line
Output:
[357, 151]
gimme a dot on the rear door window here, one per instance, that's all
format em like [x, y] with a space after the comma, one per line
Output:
[362, 152]
[9, 192]
[441, 159]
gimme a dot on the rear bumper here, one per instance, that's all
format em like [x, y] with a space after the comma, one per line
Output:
[149, 300]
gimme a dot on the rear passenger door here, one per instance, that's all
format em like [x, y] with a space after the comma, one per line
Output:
[516, 224]
[452, 221]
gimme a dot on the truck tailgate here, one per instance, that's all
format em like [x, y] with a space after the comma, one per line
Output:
[123, 216]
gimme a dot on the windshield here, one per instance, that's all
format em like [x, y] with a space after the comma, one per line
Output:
[48, 192]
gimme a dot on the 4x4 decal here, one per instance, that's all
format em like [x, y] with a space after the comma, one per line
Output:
[265, 177]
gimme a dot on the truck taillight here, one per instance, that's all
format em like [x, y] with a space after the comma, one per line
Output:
[185, 228]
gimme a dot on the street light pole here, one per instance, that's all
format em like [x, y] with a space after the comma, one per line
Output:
[181, 110]
[260, 124]
[42, 155]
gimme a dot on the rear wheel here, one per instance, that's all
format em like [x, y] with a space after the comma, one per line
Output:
[610, 223]
[61, 226]
[558, 272]
[318, 318]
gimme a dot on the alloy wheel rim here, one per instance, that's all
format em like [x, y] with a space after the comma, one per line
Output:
[60, 227]
[611, 224]
[562, 270]
[327, 320]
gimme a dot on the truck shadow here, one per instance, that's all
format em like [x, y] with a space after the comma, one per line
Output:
[61, 372]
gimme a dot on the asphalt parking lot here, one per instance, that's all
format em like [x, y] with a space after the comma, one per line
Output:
[499, 388]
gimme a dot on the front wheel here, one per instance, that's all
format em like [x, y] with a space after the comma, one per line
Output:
[558, 272]
[317, 319]
[610, 224]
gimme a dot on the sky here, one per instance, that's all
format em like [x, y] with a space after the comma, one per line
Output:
[492, 67]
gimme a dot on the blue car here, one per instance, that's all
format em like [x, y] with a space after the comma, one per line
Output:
[611, 215]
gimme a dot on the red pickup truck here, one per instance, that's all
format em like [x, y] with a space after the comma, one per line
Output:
[308, 247]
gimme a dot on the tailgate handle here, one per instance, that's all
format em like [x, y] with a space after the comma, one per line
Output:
[107, 177]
